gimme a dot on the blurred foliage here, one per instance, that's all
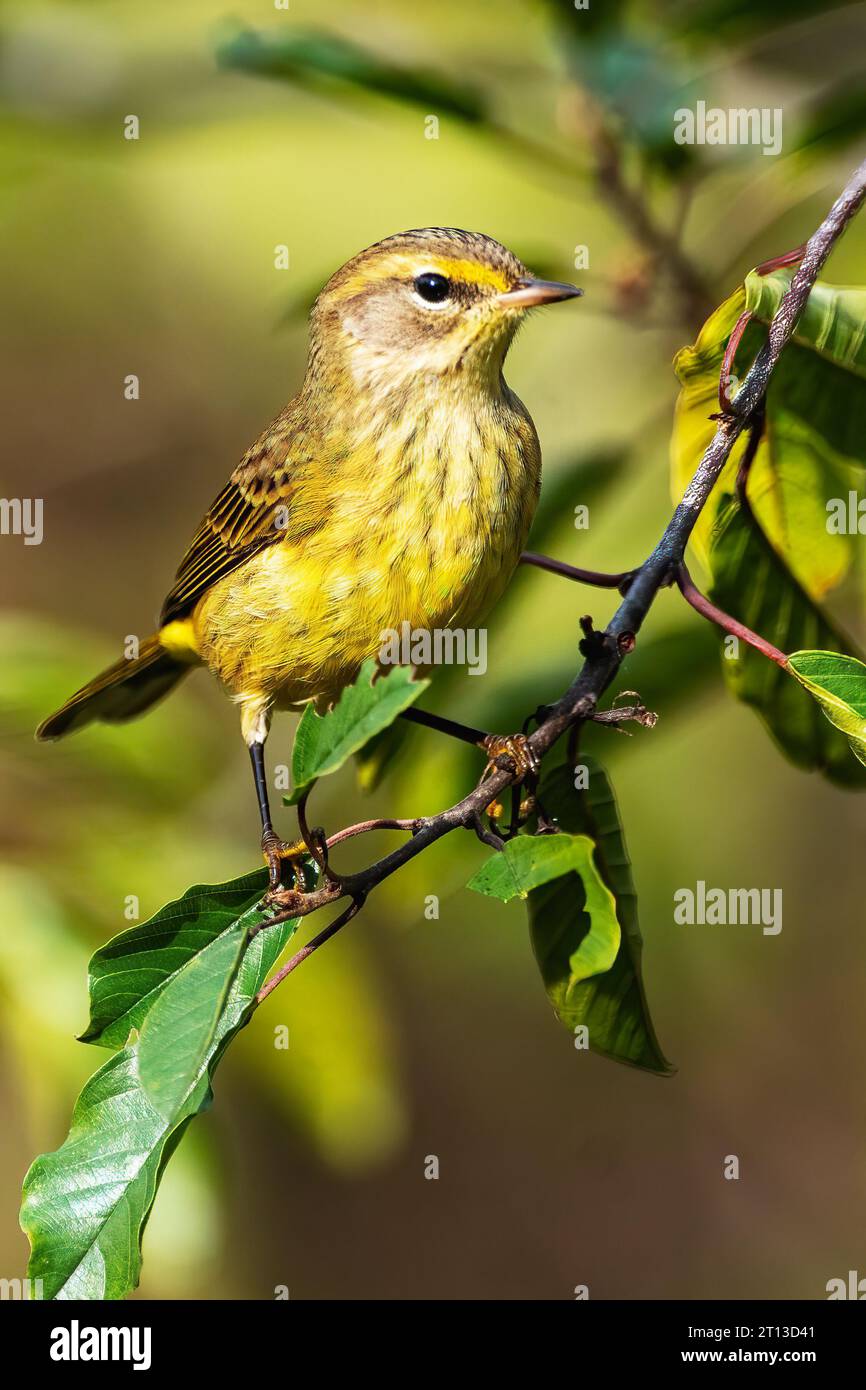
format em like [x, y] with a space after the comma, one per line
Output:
[306, 57]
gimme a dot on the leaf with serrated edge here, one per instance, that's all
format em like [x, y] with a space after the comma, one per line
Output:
[323, 742]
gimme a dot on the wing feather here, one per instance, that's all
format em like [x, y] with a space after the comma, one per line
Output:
[249, 514]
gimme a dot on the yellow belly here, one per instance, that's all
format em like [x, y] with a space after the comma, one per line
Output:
[433, 546]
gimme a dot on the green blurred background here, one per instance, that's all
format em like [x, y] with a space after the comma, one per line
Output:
[412, 1037]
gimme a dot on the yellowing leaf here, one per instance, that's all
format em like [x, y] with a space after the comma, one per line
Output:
[814, 442]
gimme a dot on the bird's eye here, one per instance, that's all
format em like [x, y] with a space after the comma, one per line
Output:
[432, 288]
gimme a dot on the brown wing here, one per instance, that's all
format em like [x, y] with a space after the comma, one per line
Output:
[251, 512]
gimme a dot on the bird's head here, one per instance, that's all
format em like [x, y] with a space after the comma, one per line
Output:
[435, 302]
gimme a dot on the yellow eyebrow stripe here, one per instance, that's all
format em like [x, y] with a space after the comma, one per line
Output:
[401, 266]
[472, 273]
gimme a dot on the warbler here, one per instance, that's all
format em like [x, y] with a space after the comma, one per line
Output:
[398, 486]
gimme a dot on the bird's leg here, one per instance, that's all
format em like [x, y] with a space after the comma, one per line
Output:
[514, 746]
[274, 850]
[464, 732]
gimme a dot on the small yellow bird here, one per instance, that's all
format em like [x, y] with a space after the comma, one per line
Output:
[398, 486]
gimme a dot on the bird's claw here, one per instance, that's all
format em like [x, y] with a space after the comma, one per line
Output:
[514, 746]
[283, 899]
[277, 852]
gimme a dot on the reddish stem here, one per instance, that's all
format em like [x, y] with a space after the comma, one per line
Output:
[366, 825]
[765, 268]
[777, 262]
[725, 402]
[595, 577]
[702, 605]
[351, 911]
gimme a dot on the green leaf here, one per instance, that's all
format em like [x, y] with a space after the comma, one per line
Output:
[324, 742]
[838, 683]
[773, 561]
[752, 583]
[85, 1206]
[179, 1030]
[831, 325]
[814, 443]
[611, 1005]
[527, 861]
[314, 57]
[128, 974]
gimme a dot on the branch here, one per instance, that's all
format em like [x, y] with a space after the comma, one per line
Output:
[603, 651]
[595, 577]
[331, 930]
[726, 376]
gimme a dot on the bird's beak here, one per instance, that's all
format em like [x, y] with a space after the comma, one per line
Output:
[526, 293]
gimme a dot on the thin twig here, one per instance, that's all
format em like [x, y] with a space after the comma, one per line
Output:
[756, 430]
[726, 375]
[622, 714]
[351, 911]
[315, 841]
[595, 577]
[365, 826]
[702, 605]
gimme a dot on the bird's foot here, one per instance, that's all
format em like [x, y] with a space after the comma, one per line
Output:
[513, 746]
[278, 853]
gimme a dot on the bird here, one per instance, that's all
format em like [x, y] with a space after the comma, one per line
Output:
[397, 486]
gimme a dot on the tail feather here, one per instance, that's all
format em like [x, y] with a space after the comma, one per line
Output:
[118, 693]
